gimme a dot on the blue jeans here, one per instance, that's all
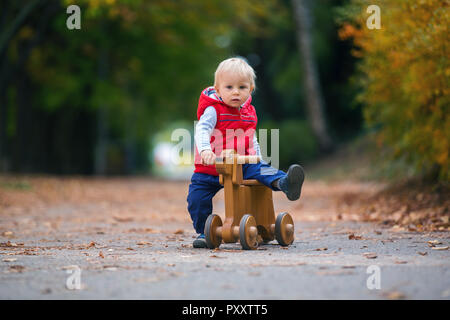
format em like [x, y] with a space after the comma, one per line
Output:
[204, 187]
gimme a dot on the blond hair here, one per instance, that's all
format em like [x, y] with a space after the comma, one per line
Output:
[237, 65]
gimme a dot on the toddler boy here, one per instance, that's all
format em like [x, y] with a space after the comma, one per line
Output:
[224, 108]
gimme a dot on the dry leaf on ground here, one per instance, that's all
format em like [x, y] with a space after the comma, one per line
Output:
[400, 262]
[354, 237]
[142, 243]
[439, 248]
[123, 219]
[16, 268]
[394, 295]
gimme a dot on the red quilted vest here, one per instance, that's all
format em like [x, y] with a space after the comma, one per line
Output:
[234, 129]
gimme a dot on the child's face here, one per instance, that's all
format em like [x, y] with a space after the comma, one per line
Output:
[233, 89]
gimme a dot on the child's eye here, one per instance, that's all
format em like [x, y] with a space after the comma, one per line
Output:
[228, 87]
[243, 87]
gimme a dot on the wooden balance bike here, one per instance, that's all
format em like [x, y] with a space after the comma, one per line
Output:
[249, 213]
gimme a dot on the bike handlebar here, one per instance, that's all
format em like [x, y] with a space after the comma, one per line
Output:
[240, 159]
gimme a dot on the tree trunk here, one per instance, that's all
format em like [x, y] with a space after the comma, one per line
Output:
[7, 34]
[3, 157]
[130, 139]
[5, 12]
[4, 65]
[315, 104]
[22, 158]
[102, 142]
[10, 23]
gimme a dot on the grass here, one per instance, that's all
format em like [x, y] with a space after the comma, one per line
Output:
[15, 185]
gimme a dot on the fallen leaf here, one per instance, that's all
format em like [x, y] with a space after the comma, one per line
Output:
[142, 243]
[110, 268]
[123, 219]
[321, 249]
[100, 254]
[439, 248]
[70, 267]
[394, 295]
[370, 255]
[16, 268]
[354, 237]
[432, 243]
[422, 253]
[9, 259]
[179, 231]
[400, 262]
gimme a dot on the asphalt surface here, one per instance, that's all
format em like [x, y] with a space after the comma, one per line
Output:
[131, 260]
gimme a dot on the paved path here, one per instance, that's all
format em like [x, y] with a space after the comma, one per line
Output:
[323, 263]
[139, 246]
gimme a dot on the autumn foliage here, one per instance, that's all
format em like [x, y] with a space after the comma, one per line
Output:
[405, 75]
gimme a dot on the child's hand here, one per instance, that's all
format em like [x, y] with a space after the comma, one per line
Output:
[208, 157]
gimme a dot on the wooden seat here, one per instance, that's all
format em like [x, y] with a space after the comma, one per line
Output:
[251, 182]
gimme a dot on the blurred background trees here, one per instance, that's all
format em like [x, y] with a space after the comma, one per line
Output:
[405, 75]
[96, 100]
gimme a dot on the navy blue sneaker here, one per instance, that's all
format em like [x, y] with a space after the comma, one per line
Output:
[200, 242]
[292, 183]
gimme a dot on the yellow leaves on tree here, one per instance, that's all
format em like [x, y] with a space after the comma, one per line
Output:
[406, 77]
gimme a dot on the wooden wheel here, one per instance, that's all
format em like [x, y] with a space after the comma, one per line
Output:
[284, 229]
[213, 231]
[248, 232]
